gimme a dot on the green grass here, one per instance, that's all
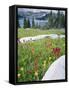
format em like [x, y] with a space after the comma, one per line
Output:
[33, 32]
[34, 58]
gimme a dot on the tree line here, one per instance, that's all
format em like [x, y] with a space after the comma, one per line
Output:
[54, 21]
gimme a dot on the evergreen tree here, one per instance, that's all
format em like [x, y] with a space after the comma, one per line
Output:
[25, 22]
[50, 20]
[33, 24]
[62, 20]
[18, 24]
[28, 23]
[58, 19]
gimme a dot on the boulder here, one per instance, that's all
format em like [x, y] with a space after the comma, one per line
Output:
[57, 70]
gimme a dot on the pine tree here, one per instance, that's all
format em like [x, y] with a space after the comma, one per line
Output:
[28, 23]
[18, 24]
[62, 20]
[33, 24]
[50, 20]
[25, 22]
[59, 19]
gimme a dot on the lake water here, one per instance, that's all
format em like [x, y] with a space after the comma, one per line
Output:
[37, 22]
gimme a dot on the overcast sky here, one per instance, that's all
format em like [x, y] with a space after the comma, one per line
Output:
[37, 10]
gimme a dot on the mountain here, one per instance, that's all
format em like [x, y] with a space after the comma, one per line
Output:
[30, 14]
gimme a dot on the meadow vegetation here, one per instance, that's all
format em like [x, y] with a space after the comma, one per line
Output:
[35, 57]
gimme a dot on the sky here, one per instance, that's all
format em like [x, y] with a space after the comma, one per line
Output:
[37, 10]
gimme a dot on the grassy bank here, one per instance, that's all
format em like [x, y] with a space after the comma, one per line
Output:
[33, 32]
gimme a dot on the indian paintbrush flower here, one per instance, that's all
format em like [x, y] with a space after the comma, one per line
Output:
[56, 51]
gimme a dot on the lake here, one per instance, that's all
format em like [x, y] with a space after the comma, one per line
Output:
[37, 22]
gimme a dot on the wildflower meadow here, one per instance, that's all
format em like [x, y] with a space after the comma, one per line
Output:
[35, 57]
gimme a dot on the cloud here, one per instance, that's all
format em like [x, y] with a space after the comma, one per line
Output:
[38, 10]
[33, 10]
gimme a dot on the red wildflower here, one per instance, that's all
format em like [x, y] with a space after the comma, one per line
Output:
[56, 51]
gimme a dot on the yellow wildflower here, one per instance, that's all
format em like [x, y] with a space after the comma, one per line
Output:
[18, 75]
[21, 68]
[36, 73]
[44, 63]
[50, 58]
